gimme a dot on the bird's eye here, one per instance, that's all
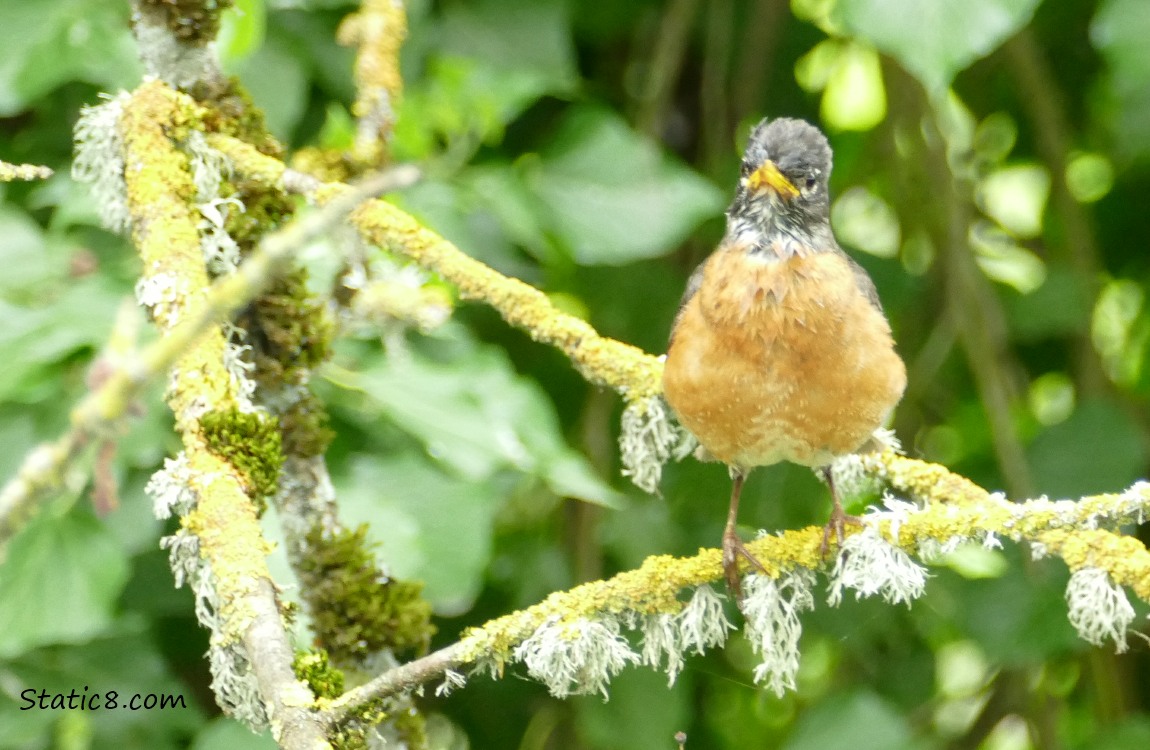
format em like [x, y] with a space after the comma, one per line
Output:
[811, 182]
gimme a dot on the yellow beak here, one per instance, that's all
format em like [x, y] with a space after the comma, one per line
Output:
[769, 176]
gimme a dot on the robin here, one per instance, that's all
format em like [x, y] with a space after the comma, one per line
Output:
[780, 350]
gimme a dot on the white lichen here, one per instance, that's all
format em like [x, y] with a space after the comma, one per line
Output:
[575, 658]
[99, 160]
[233, 680]
[209, 166]
[852, 474]
[183, 556]
[1099, 609]
[170, 488]
[932, 551]
[700, 625]
[871, 565]
[161, 293]
[894, 512]
[220, 251]
[451, 681]
[648, 439]
[236, 687]
[772, 608]
[239, 366]
[1134, 501]
[884, 439]
[391, 295]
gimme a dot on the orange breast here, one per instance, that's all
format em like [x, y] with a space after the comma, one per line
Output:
[781, 360]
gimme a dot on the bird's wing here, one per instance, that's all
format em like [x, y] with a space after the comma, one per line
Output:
[693, 285]
[865, 284]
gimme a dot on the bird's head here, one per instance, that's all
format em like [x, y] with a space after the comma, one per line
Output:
[784, 178]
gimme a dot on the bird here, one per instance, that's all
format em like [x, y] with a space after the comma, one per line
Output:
[781, 350]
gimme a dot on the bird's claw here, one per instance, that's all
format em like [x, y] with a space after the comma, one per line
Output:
[837, 524]
[733, 549]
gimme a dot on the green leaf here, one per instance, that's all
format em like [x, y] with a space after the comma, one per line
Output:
[34, 340]
[1016, 618]
[242, 30]
[225, 733]
[858, 720]
[935, 39]
[500, 188]
[1098, 449]
[1131, 733]
[1119, 33]
[476, 416]
[1059, 307]
[130, 663]
[975, 561]
[278, 82]
[613, 196]
[492, 59]
[1015, 196]
[855, 97]
[509, 35]
[463, 103]
[454, 211]
[631, 719]
[51, 42]
[59, 584]
[28, 258]
[432, 527]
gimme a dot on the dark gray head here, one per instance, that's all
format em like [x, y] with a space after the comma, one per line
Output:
[783, 183]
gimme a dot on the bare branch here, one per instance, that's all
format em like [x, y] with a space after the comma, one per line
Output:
[24, 172]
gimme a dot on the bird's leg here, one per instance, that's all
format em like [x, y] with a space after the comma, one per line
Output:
[839, 518]
[733, 547]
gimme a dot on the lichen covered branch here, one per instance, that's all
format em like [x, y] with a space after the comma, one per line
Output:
[574, 640]
[603, 361]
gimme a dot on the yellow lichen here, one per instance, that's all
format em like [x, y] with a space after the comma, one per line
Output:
[601, 360]
[1125, 558]
[164, 229]
[378, 30]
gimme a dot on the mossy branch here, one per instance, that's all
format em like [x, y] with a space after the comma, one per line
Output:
[377, 30]
[43, 471]
[953, 510]
[601, 360]
[188, 310]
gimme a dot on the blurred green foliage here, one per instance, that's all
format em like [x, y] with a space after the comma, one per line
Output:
[588, 148]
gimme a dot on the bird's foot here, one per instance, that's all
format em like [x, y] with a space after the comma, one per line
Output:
[733, 549]
[836, 525]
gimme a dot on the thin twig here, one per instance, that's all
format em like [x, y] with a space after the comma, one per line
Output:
[24, 172]
[401, 679]
[44, 468]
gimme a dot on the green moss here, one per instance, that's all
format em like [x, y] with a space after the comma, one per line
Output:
[294, 335]
[249, 442]
[314, 668]
[412, 728]
[304, 427]
[232, 112]
[355, 610]
[405, 719]
[193, 21]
